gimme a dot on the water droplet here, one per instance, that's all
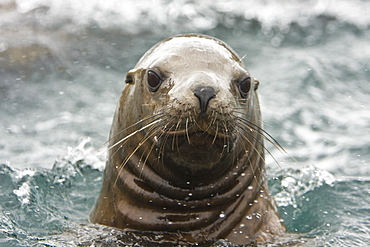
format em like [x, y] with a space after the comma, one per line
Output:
[140, 218]
[222, 214]
[243, 174]
[242, 225]
[190, 194]
[249, 217]
[3, 46]
[250, 187]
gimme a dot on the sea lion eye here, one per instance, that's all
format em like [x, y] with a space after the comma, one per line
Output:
[154, 80]
[245, 86]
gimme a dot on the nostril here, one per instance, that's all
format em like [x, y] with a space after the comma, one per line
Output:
[204, 94]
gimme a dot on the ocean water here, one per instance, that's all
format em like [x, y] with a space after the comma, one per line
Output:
[62, 68]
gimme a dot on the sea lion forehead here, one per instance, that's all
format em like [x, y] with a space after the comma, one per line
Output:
[190, 48]
[198, 44]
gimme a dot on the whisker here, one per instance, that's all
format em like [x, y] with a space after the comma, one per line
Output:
[176, 128]
[255, 127]
[149, 135]
[226, 140]
[246, 140]
[155, 116]
[251, 144]
[216, 133]
[135, 132]
[187, 129]
[256, 167]
[123, 142]
[262, 132]
[259, 141]
[151, 149]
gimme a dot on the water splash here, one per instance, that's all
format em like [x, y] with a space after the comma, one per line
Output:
[293, 184]
[40, 202]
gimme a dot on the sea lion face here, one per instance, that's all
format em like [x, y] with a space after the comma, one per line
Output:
[198, 86]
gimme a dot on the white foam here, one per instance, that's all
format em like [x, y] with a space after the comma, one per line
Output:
[296, 183]
[84, 151]
[132, 16]
[23, 193]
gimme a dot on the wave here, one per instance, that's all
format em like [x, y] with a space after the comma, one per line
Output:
[137, 16]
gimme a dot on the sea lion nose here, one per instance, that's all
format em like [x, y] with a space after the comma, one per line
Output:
[204, 94]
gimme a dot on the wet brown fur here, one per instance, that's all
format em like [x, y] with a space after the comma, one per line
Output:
[151, 184]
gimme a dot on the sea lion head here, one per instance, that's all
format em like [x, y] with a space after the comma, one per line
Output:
[199, 89]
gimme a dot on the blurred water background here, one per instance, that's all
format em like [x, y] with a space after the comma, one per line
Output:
[62, 68]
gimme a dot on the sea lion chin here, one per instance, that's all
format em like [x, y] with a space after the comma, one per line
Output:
[186, 153]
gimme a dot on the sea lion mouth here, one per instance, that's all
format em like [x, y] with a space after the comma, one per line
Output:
[201, 140]
[200, 134]
[197, 151]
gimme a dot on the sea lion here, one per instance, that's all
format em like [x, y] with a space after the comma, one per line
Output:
[186, 152]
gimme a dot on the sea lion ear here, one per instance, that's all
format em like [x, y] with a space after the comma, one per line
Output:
[130, 76]
[256, 83]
